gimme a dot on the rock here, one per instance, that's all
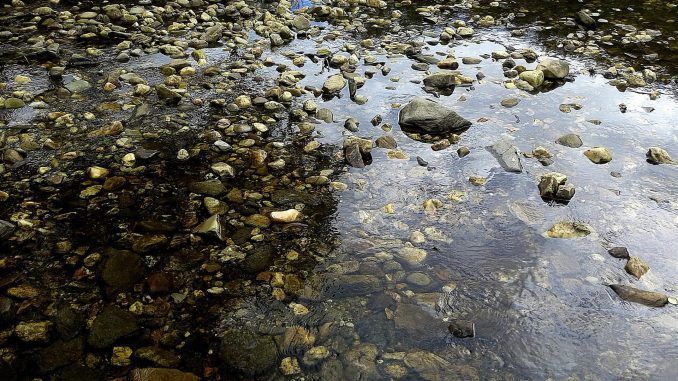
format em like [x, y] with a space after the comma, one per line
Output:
[211, 227]
[300, 22]
[619, 252]
[6, 229]
[510, 102]
[442, 80]
[534, 77]
[386, 141]
[416, 323]
[289, 366]
[570, 140]
[636, 267]
[353, 156]
[648, 298]
[463, 151]
[429, 366]
[585, 19]
[448, 63]
[465, 31]
[13, 103]
[110, 325]
[412, 256]
[212, 34]
[334, 84]
[552, 187]
[122, 270]
[554, 68]
[462, 328]
[315, 355]
[59, 354]
[350, 285]
[248, 352]
[68, 322]
[657, 155]
[78, 86]
[161, 374]
[286, 216]
[599, 155]
[507, 156]
[432, 117]
[32, 332]
[212, 188]
[158, 356]
[568, 229]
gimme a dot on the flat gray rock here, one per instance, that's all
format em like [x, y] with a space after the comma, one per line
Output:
[507, 156]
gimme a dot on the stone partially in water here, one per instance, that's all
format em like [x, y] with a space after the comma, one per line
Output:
[334, 84]
[636, 267]
[430, 116]
[111, 325]
[648, 298]
[569, 229]
[657, 155]
[413, 256]
[428, 366]
[619, 252]
[585, 19]
[6, 229]
[599, 155]
[570, 140]
[554, 68]
[534, 77]
[507, 156]
[247, 351]
[59, 354]
[552, 187]
[285, 216]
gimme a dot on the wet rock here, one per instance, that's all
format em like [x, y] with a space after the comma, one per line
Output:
[428, 366]
[570, 140]
[6, 229]
[59, 354]
[68, 322]
[286, 216]
[161, 374]
[463, 151]
[122, 270]
[353, 156]
[334, 84]
[636, 267]
[289, 366]
[554, 68]
[315, 355]
[534, 77]
[552, 187]
[110, 325]
[158, 356]
[599, 155]
[211, 227]
[648, 298]
[7, 310]
[78, 86]
[569, 229]
[412, 256]
[585, 19]
[416, 323]
[386, 141]
[442, 80]
[248, 352]
[462, 328]
[32, 332]
[655, 155]
[348, 285]
[510, 102]
[507, 156]
[619, 252]
[159, 283]
[14, 103]
[212, 34]
[212, 188]
[432, 117]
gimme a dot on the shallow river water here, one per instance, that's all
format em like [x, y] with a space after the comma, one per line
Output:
[389, 261]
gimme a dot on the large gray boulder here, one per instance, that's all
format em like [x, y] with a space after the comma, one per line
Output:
[430, 116]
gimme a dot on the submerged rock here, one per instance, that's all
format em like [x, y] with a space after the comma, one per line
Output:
[430, 116]
[507, 156]
[648, 298]
[161, 374]
[247, 351]
[6, 229]
[462, 328]
[569, 229]
[110, 325]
